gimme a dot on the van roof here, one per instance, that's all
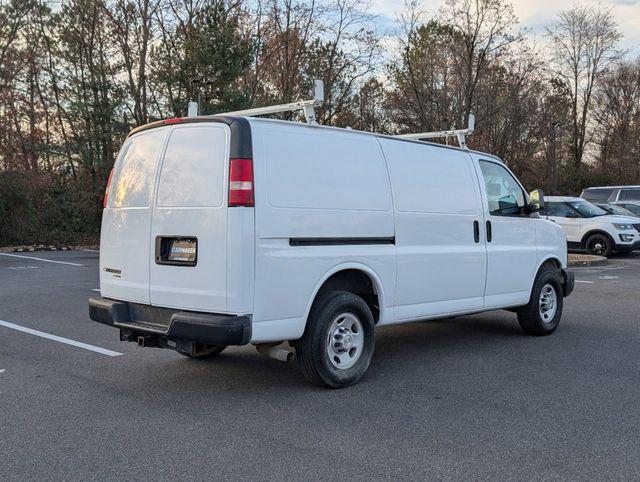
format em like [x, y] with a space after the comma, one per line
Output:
[238, 120]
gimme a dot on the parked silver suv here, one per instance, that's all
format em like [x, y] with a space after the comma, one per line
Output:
[612, 194]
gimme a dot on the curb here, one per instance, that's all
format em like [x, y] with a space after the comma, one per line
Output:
[580, 261]
[47, 247]
[31, 249]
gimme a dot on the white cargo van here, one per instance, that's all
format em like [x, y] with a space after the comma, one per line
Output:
[228, 230]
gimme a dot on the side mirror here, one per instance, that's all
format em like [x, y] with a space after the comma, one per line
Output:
[536, 201]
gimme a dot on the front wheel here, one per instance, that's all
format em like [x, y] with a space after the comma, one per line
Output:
[599, 244]
[338, 342]
[542, 314]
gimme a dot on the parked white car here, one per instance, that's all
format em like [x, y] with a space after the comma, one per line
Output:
[231, 230]
[590, 227]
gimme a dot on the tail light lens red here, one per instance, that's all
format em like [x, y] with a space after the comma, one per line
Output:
[172, 120]
[106, 191]
[241, 183]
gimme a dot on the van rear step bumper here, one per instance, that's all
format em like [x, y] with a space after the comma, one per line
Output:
[169, 328]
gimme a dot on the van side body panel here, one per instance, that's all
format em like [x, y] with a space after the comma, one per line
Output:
[550, 242]
[322, 200]
[441, 266]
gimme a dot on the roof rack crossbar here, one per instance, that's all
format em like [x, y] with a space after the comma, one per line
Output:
[306, 106]
[460, 134]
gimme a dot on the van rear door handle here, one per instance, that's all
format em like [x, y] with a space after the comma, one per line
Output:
[489, 235]
[476, 231]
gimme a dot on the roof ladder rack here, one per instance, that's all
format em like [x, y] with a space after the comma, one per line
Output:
[461, 134]
[307, 106]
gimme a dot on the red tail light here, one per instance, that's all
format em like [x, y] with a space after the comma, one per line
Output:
[106, 191]
[241, 183]
[172, 120]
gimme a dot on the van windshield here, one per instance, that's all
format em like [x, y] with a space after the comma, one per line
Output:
[586, 209]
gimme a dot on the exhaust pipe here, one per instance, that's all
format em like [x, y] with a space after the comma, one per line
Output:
[275, 352]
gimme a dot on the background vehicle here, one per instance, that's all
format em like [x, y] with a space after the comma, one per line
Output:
[590, 227]
[634, 208]
[616, 209]
[612, 194]
[230, 230]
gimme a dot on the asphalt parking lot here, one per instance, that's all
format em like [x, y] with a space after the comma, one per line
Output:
[469, 398]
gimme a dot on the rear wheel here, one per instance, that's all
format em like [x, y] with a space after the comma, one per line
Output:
[542, 314]
[338, 342]
[599, 244]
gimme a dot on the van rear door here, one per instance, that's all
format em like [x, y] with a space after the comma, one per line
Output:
[126, 219]
[189, 226]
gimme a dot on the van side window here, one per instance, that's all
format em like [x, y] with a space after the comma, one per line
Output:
[504, 194]
[192, 172]
[630, 195]
[133, 174]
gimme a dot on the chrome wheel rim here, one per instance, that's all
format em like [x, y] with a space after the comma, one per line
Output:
[597, 246]
[345, 341]
[548, 304]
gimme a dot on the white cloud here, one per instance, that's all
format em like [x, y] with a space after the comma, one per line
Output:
[536, 15]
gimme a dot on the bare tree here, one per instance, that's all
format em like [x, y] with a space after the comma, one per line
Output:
[584, 45]
[484, 30]
[132, 23]
[617, 117]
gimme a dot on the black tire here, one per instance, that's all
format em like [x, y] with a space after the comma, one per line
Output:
[599, 244]
[208, 352]
[313, 349]
[530, 318]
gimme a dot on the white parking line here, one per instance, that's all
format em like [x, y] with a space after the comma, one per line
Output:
[583, 281]
[60, 339]
[40, 259]
[95, 289]
[91, 250]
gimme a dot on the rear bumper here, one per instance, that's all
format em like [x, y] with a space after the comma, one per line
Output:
[568, 282]
[161, 326]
